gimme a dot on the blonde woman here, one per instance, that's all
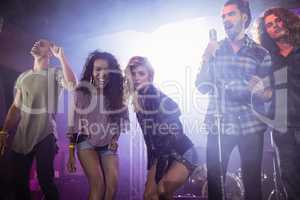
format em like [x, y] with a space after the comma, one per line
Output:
[170, 152]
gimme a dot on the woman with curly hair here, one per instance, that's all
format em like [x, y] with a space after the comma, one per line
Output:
[98, 118]
[285, 18]
[171, 156]
[278, 31]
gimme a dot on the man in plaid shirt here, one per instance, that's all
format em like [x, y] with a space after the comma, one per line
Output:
[235, 72]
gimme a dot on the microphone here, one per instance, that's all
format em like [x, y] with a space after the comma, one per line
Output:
[208, 54]
[213, 38]
[213, 35]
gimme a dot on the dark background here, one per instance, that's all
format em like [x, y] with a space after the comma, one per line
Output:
[70, 23]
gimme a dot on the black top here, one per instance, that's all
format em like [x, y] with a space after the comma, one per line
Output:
[158, 116]
[291, 65]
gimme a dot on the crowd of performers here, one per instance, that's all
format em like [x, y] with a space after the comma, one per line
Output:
[242, 76]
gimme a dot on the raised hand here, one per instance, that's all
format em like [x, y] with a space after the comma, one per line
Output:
[210, 50]
[57, 51]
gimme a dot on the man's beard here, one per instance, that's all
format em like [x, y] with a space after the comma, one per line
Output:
[232, 35]
[285, 37]
[39, 54]
[234, 31]
[35, 52]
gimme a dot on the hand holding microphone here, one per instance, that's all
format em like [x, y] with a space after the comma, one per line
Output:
[211, 47]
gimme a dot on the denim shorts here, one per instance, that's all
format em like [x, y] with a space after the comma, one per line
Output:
[102, 151]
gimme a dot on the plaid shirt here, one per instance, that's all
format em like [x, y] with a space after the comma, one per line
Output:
[232, 72]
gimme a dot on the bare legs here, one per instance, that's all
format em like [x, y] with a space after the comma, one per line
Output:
[102, 173]
[150, 192]
[170, 182]
[110, 164]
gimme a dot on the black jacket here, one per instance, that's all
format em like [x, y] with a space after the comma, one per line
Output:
[158, 116]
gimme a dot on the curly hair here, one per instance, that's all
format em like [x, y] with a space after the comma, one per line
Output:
[114, 90]
[290, 20]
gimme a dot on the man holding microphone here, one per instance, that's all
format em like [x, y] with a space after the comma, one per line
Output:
[232, 73]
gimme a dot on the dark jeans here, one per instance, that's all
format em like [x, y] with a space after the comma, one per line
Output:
[44, 152]
[250, 148]
[289, 154]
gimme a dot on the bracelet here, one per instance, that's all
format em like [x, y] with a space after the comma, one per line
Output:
[4, 133]
[73, 137]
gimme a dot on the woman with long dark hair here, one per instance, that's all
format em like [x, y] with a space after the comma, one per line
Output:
[97, 119]
[171, 156]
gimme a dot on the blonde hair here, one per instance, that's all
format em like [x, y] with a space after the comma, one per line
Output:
[129, 91]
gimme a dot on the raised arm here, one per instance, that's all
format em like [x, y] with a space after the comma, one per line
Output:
[68, 74]
[204, 80]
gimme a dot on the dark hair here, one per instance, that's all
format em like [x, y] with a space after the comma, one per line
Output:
[244, 7]
[113, 91]
[291, 22]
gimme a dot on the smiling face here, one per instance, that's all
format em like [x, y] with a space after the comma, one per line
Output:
[233, 20]
[275, 27]
[100, 73]
[140, 77]
[41, 49]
